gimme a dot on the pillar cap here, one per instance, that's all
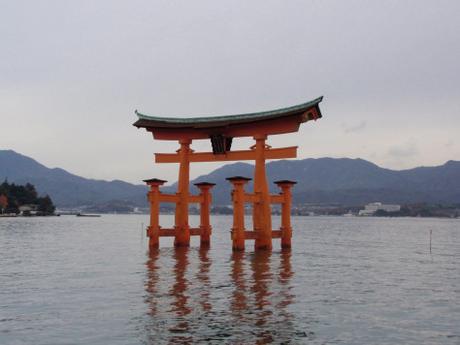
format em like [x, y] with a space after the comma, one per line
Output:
[288, 182]
[238, 178]
[154, 181]
[204, 184]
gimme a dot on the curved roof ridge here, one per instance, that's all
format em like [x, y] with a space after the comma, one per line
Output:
[254, 115]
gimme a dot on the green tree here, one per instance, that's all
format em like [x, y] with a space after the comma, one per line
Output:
[17, 195]
[45, 205]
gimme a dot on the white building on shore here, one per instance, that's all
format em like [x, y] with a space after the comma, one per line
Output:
[29, 209]
[373, 207]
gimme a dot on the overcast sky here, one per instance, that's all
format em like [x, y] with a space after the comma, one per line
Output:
[73, 72]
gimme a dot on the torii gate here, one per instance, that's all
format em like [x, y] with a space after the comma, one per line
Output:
[220, 131]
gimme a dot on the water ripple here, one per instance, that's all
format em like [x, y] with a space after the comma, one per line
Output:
[71, 280]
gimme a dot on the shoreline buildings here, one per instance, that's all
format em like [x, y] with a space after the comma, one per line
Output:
[373, 207]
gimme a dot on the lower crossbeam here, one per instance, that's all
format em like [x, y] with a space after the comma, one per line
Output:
[252, 235]
[171, 232]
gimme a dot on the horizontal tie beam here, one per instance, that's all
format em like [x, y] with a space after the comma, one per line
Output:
[195, 199]
[171, 232]
[251, 198]
[277, 199]
[252, 235]
[247, 155]
[174, 198]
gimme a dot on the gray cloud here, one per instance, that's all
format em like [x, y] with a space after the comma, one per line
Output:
[354, 128]
[449, 143]
[408, 149]
[72, 73]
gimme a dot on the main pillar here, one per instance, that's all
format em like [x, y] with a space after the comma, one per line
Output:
[182, 238]
[261, 212]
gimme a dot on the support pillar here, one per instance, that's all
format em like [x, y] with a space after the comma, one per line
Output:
[238, 229]
[205, 225]
[154, 198]
[261, 212]
[182, 238]
[286, 229]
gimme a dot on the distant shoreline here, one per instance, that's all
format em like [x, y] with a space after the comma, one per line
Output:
[229, 215]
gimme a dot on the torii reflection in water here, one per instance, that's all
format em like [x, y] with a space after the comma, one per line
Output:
[244, 301]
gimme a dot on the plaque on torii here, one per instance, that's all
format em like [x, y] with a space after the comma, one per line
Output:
[221, 130]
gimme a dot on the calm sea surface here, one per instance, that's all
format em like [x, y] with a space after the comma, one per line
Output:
[69, 280]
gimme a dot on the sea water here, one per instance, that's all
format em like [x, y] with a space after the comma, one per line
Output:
[347, 280]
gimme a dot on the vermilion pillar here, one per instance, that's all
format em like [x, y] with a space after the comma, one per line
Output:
[261, 212]
[286, 229]
[238, 229]
[205, 225]
[154, 199]
[182, 238]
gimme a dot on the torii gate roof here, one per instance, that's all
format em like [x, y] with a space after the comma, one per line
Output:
[169, 128]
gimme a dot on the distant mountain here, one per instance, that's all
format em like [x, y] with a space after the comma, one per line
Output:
[349, 181]
[66, 189]
[324, 180]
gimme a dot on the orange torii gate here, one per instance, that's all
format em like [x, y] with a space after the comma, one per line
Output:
[220, 131]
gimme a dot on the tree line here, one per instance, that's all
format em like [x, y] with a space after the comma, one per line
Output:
[13, 196]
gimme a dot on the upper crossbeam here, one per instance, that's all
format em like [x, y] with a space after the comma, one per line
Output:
[269, 153]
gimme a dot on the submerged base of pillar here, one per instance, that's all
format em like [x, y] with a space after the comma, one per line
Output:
[286, 235]
[286, 245]
[205, 236]
[154, 241]
[238, 237]
[263, 243]
[182, 238]
[205, 244]
[181, 243]
[263, 247]
[153, 245]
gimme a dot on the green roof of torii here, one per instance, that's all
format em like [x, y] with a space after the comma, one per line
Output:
[217, 121]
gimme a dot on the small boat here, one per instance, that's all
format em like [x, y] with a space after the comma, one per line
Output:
[87, 215]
